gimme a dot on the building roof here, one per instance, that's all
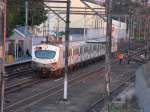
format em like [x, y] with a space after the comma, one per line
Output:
[21, 31]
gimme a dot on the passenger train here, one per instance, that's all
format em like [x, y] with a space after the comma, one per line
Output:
[49, 59]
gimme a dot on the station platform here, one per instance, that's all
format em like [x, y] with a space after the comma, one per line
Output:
[18, 61]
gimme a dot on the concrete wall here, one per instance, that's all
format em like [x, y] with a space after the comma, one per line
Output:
[142, 89]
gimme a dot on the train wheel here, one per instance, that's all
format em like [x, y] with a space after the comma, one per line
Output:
[60, 73]
[56, 73]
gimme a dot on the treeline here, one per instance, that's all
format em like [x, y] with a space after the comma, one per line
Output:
[16, 13]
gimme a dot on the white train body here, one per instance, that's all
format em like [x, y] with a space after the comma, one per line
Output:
[52, 57]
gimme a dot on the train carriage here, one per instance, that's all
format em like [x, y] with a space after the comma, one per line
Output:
[49, 59]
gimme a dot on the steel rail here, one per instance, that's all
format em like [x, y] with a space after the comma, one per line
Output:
[114, 92]
[41, 95]
[19, 74]
[27, 102]
[20, 85]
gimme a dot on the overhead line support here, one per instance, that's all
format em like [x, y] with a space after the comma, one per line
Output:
[92, 9]
[54, 12]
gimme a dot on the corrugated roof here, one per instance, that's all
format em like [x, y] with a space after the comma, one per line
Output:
[21, 31]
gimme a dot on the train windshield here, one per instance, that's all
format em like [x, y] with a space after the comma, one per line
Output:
[45, 54]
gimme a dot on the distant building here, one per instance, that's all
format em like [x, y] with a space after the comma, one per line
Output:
[82, 26]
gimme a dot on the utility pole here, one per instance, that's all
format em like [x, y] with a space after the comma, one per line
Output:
[129, 32]
[3, 76]
[84, 24]
[65, 98]
[1, 18]
[108, 54]
[139, 28]
[146, 33]
[26, 21]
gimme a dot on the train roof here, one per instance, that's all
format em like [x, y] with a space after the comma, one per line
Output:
[77, 43]
[73, 44]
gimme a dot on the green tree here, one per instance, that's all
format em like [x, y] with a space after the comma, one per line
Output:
[16, 13]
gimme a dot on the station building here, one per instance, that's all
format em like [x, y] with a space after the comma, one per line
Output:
[18, 44]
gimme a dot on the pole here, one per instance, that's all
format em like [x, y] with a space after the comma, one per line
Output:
[84, 24]
[129, 33]
[145, 36]
[3, 63]
[1, 18]
[133, 27]
[139, 30]
[127, 28]
[108, 54]
[26, 21]
[146, 39]
[66, 50]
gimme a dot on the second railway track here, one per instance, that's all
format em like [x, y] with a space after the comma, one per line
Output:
[27, 102]
[24, 103]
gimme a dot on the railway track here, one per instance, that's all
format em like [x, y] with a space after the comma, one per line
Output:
[100, 103]
[19, 74]
[24, 83]
[24, 103]
[13, 71]
[27, 102]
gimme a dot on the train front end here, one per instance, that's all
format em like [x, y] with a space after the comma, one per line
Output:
[45, 58]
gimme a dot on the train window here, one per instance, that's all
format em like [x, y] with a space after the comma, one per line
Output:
[70, 52]
[45, 54]
[96, 47]
[74, 51]
[63, 54]
[93, 47]
[89, 48]
[99, 47]
[81, 50]
[77, 52]
[85, 49]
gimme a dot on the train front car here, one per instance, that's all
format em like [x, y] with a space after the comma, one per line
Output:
[45, 59]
